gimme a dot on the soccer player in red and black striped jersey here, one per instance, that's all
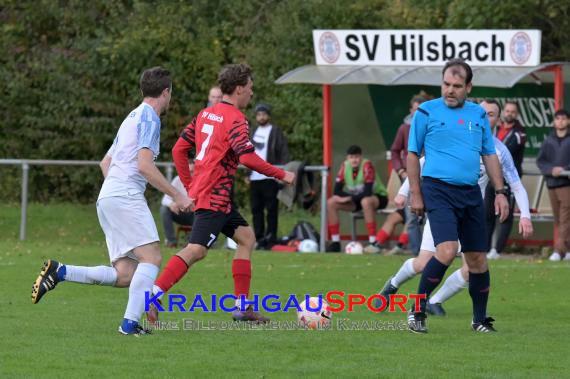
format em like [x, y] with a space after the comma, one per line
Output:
[220, 135]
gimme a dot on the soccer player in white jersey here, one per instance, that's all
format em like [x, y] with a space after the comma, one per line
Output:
[459, 279]
[130, 231]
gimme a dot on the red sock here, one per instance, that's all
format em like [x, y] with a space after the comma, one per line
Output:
[334, 230]
[241, 270]
[371, 227]
[382, 236]
[175, 269]
[404, 238]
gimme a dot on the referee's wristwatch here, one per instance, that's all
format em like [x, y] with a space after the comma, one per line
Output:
[502, 191]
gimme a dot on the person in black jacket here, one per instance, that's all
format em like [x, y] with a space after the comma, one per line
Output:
[271, 145]
[554, 163]
[512, 134]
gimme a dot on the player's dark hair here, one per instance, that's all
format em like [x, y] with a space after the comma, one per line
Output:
[234, 75]
[354, 150]
[494, 102]
[512, 103]
[155, 80]
[562, 112]
[454, 64]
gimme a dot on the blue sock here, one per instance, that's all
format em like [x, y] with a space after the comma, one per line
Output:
[431, 277]
[479, 286]
[129, 326]
[61, 273]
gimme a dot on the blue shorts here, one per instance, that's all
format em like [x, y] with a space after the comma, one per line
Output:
[455, 213]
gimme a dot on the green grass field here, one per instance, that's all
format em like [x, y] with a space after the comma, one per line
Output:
[72, 331]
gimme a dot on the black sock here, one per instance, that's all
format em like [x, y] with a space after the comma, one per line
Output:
[431, 277]
[479, 286]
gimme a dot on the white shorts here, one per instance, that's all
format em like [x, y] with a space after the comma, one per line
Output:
[427, 239]
[127, 224]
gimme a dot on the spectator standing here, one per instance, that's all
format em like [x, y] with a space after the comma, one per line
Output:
[271, 146]
[553, 159]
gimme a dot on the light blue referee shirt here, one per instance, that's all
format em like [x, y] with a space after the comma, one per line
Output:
[453, 139]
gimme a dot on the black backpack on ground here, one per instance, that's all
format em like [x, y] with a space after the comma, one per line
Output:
[304, 230]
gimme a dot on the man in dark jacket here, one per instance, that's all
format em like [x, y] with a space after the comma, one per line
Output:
[554, 163]
[512, 134]
[271, 145]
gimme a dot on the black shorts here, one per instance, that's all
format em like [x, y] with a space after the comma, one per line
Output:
[208, 224]
[382, 202]
[455, 212]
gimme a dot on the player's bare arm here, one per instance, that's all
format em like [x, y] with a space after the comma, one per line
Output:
[105, 164]
[149, 170]
[416, 200]
[493, 168]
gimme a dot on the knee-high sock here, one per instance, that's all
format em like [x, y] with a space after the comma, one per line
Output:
[431, 277]
[175, 269]
[382, 236]
[102, 275]
[405, 273]
[142, 282]
[334, 232]
[241, 270]
[479, 286]
[452, 285]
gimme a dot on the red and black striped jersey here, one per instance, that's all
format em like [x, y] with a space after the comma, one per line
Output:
[220, 134]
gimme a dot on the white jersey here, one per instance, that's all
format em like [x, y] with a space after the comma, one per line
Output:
[141, 129]
[507, 167]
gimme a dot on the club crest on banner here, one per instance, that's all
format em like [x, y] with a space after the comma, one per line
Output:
[521, 47]
[329, 46]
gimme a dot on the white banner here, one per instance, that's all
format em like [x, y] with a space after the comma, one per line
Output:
[427, 47]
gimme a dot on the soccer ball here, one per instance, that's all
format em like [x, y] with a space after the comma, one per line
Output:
[354, 248]
[308, 246]
[315, 319]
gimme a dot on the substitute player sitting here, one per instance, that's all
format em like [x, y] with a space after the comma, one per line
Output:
[357, 187]
[220, 134]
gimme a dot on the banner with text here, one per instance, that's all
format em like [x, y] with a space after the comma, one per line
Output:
[427, 47]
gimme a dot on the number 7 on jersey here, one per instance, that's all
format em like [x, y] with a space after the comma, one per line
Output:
[209, 130]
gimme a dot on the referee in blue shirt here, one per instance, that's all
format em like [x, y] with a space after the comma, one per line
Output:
[454, 134]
